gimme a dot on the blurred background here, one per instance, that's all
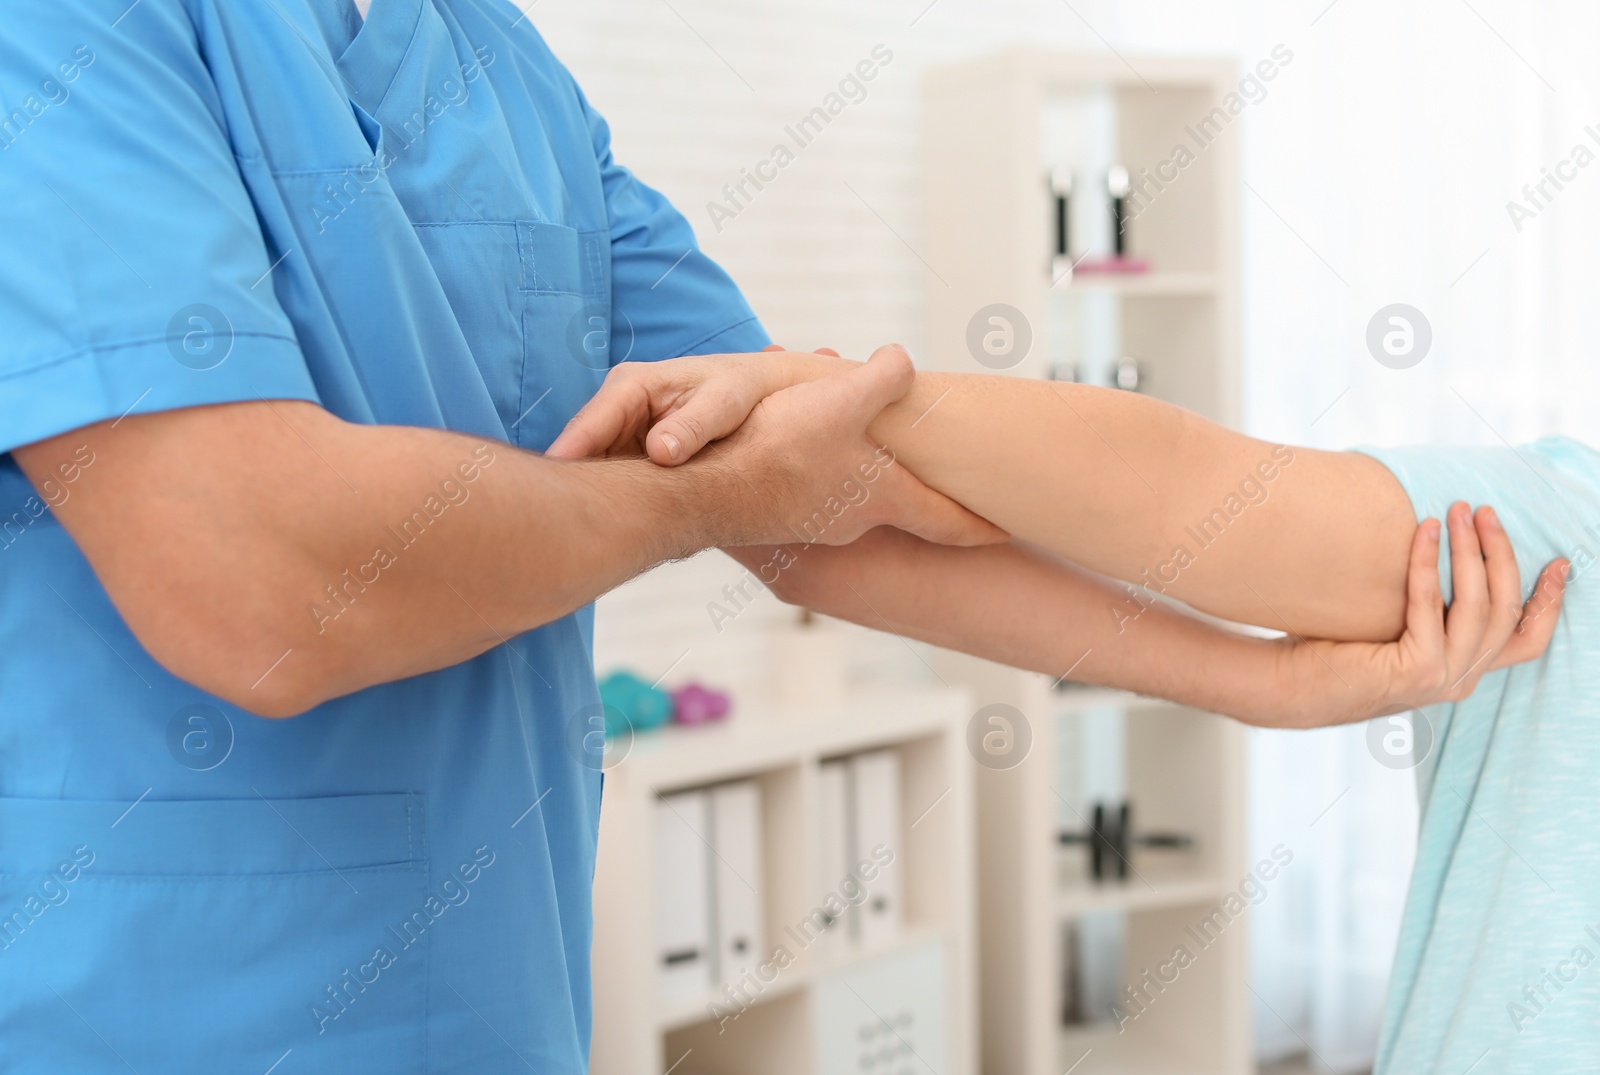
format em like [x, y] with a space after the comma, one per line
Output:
[1378, 168]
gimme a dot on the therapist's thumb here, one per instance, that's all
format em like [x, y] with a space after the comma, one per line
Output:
[715, 410]
[883, 379]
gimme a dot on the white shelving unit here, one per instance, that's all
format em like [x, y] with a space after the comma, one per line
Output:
[817, 1003]
[996, 130]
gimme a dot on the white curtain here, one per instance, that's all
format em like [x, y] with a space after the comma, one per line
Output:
[1379, 172]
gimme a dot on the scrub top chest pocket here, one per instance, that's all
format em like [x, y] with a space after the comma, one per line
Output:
[568, 340]
[531, 302]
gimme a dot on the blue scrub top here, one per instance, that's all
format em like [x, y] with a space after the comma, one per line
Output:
[415, 220]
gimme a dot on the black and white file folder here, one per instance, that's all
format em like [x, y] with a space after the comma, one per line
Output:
[878, 842]
[737, 872]
[683, 895]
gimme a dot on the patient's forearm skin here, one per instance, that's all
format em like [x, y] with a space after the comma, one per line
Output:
[1310, 542]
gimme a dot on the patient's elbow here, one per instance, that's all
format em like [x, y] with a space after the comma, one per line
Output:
[796, 581]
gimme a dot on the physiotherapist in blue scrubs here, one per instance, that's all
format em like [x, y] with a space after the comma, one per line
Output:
[291, 296]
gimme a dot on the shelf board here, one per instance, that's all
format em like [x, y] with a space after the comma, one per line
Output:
[687, 1013]
[1077, 699]
[1156, 891]
[1097, 1049]
[760, 736]
[1177, 284]
[800, 975]
[909, 938]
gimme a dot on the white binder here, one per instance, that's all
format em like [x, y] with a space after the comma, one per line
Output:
[683, 896]
[876, 786]
[834, 862]
[736, 834]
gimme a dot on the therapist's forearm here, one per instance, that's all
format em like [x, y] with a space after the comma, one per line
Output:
[306, 557]
[1140, 490]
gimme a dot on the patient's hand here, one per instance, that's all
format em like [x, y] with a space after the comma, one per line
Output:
[670, 410]
[1444, 652]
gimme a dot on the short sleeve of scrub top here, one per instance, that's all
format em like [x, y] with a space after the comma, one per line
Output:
[127, 231]
[411, 220]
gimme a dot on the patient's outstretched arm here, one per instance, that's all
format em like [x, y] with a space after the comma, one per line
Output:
[1310, 542]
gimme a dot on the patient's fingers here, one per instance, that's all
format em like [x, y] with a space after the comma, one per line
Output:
[1487, 587]
[1469, 603]
[1540, 616]
[1424, 601]
[1504, 577]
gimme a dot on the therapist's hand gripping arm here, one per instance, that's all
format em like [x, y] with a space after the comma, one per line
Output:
[1310, 542]
[241, 542]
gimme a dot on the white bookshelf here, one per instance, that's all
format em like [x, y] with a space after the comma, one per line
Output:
[994, 131]
[817, 994]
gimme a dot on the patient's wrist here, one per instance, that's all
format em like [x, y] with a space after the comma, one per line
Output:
[1326, 683]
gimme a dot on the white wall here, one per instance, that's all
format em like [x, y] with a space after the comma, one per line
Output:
[816, 261]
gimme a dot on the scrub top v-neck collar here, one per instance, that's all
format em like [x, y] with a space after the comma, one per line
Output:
[371, 61]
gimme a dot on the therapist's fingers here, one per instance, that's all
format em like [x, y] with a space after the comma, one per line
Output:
[885, 378]
[826, 420]
[1540, 615]
[716, 409]
[720, 406]
[620, 411]
[830, 352]
[882, 379]
[934, 517]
